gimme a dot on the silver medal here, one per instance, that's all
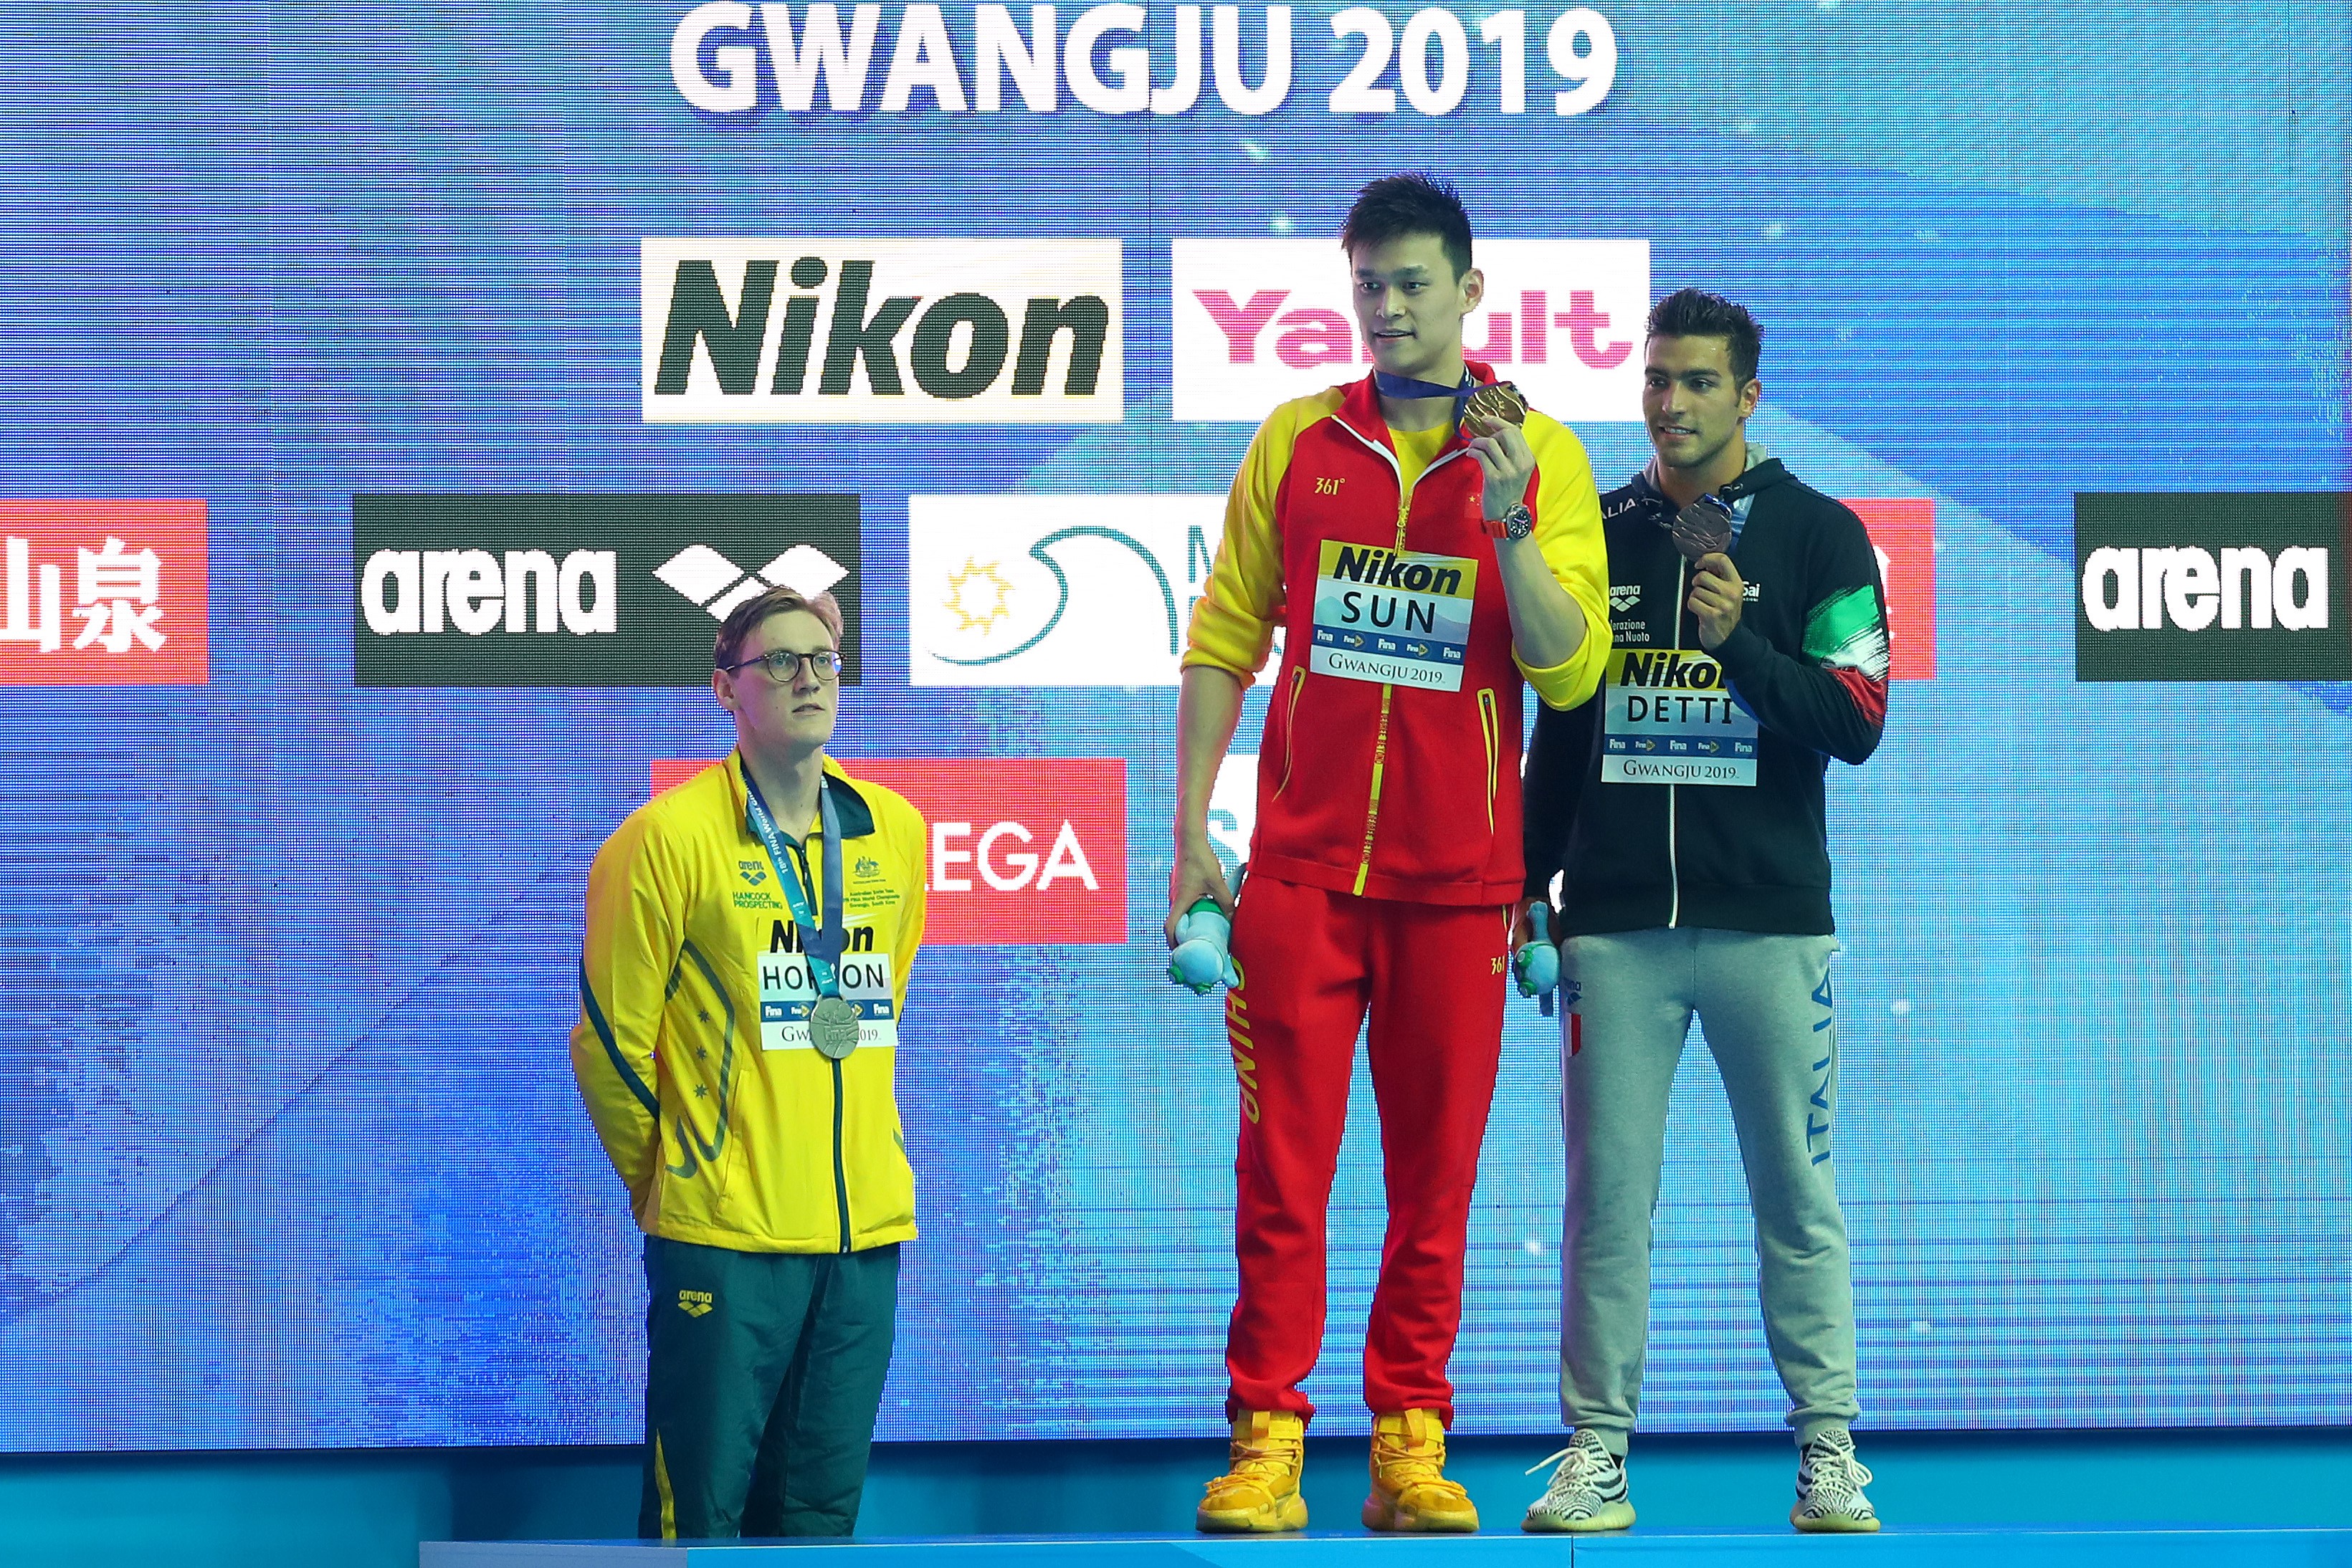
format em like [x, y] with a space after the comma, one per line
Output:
[833, 1026]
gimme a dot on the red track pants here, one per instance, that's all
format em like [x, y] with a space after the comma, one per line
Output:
[1311, 963]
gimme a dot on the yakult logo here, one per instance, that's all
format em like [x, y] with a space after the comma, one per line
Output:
[1018, 850]
[907, 331]
[2211, 588]
[103, 593]
[1258, 322]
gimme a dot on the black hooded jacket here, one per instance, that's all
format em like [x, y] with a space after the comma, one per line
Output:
[1807, 661]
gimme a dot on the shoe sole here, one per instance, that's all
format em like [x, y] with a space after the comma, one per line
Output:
[1281, 1518]
[1833, 1525]
[1390, 1519]
[1616, 1516]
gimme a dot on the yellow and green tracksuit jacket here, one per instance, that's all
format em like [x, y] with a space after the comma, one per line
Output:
[720, 1142]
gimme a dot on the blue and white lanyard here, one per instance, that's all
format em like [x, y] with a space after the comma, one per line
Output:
[821, 943]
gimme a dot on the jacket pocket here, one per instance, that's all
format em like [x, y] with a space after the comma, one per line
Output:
[1291, 727]
[1490, 727]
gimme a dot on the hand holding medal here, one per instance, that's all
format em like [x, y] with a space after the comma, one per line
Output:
[1492, 409]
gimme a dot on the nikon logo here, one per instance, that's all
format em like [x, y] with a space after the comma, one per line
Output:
[2211, 587]
[1386, 569]
[1673, 670]
[922, 331]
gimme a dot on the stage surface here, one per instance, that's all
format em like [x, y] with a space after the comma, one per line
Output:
[1921, 1548]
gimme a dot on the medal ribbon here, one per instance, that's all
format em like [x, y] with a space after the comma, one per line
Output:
[1406, 387]
[821, 943]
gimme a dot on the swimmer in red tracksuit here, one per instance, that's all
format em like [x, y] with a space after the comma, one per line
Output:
[1418, 570]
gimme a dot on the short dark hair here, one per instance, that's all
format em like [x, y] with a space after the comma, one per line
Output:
[1401, 204]
[746, 617]
[1695, 313]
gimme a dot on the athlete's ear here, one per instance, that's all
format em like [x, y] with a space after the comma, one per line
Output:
[1749, 396]
[1474, 290]
[723, 688]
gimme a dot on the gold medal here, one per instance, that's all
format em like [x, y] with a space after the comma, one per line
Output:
[1498, 401]
[833, 1028]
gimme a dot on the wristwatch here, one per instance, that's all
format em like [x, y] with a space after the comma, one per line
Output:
[1518, 522]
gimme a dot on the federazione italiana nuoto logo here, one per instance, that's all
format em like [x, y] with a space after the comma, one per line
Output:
[581, 591]
[884, 331]
[2212, 586]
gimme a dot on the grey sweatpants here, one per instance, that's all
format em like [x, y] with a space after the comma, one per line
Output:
[1764, 1003]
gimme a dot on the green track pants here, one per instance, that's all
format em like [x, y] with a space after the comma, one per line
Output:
[764, 1374]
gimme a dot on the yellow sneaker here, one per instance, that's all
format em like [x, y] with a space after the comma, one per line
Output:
[1410, 1491]
[1258, 1493]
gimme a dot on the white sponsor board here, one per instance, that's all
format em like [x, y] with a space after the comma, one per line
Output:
[1054, 590]
[889, 331]
[1259, 321]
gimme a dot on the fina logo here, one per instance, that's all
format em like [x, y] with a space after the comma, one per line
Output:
[2146, 590]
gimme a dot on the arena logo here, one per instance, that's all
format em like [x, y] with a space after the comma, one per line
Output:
[2126, 589]
[1258, 322]
[1017, 851]
[1054, 590]
[585, 591]
[2211, 587]
[103, 593]
[898, 331]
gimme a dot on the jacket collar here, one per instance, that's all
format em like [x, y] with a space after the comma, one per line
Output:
[857, 816]
[1359, 408]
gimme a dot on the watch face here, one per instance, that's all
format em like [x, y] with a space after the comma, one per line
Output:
[1518, 522]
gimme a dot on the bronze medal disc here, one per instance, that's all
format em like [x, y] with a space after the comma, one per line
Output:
[1700, 528]
[833, 1028]
[1498, 401]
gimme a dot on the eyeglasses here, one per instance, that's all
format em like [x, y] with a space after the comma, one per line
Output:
[784, 665]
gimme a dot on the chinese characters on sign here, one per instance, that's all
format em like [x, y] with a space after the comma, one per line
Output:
[135, 571]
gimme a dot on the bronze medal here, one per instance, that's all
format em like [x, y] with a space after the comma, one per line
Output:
[1701, 528]
[833, 1028]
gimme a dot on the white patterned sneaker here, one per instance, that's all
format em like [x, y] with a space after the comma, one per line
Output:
[1828, 1487]
[1586, 1493]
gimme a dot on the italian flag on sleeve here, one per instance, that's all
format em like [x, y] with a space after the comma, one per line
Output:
[1846, 635]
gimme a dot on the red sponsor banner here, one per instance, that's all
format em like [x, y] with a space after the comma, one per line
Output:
[1020, 851]
[103, 593]
[1904, 534]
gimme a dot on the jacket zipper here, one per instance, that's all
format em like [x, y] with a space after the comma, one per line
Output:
[840, 1174]
[1388, 692]
[840, 1166]
[1673, 814]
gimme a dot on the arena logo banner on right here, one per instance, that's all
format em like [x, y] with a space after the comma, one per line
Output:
[2208, 586]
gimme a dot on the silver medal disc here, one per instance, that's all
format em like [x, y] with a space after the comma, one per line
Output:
[833, 1026]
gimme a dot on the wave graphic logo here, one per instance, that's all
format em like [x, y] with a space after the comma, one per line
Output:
[1054, 590]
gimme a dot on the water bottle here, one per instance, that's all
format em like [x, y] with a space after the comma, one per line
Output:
[1536, 963]
[1203, 940]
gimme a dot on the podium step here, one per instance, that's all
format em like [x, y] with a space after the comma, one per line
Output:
[1925, 1548]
